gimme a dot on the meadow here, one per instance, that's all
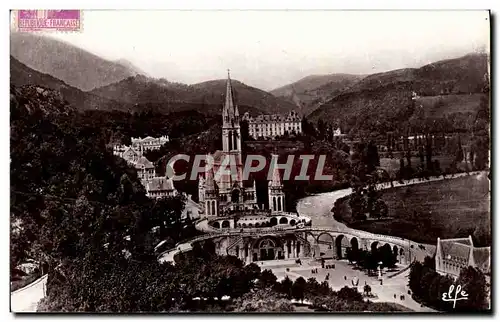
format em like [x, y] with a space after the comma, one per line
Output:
[447, 209]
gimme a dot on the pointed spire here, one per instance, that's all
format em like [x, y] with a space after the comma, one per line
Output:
[230, 109]
[276, 180]
[209, 181]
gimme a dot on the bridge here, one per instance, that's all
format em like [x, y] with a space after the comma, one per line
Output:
[315, 241]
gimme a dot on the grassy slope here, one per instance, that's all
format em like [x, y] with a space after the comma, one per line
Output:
[382, 102]
[440, 105]
[446, 209]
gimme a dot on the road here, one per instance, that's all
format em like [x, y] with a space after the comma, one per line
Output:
[26, 299]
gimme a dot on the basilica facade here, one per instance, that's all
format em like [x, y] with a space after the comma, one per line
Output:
[222, 189]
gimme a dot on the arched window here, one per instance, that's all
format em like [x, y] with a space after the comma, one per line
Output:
[274, 203]
[235, 138]
[235, 196]
[230, 140]
[279, 203]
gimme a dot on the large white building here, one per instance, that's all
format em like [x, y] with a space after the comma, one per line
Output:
[271, 126]
[149, 143]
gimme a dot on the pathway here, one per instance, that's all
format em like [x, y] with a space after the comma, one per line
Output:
[383, 293]
[26, 299]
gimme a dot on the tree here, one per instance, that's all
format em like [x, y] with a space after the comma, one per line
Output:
[312, 288]
[285, 287]
[428, 151]
[350, 294]
[473, 282]
[358, 205]
[367, 289]
[387, 256]
[372, 157]
[401, 173]
[459, 154]
[421, 155]
[263, 301]
[298, 289]
[381, 208]
[267, 279]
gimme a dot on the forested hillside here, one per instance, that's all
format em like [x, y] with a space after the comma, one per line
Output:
[383, 102]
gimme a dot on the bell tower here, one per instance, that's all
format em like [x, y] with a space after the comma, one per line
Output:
[231, 133]
[275, 191]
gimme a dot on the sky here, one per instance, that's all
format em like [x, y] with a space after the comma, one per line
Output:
[269, 49]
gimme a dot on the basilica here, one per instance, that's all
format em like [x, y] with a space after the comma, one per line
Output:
[222, 190]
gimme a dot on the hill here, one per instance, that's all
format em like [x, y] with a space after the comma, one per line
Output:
[71, 64]
[312, 90]
[21, 74]
[207, 95]
[383, 102]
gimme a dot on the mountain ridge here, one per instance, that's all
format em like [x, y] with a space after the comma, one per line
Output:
[141, 89]
[66, 62]
[308, 92]
[383, 102]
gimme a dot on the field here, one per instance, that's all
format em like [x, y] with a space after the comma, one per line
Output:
[392, 165]
[448, 209]
[437, 106]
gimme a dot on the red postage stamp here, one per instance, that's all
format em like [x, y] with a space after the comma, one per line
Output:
[47, 20]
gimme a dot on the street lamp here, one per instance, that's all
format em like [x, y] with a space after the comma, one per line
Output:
[380, 272]
[355, 282]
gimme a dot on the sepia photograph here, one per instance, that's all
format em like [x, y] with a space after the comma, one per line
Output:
[250, 161]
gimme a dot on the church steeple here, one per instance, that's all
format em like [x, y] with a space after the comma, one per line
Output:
[231, 136]
[230, 112]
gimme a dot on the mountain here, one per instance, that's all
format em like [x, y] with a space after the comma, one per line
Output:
[383, 102]
[308, 92]
[244, 95]
[71, 64]
[21, 75]
[128, 64]
[145, 90]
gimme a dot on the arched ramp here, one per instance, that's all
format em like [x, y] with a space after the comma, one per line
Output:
[354, 244]
[339, 241]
